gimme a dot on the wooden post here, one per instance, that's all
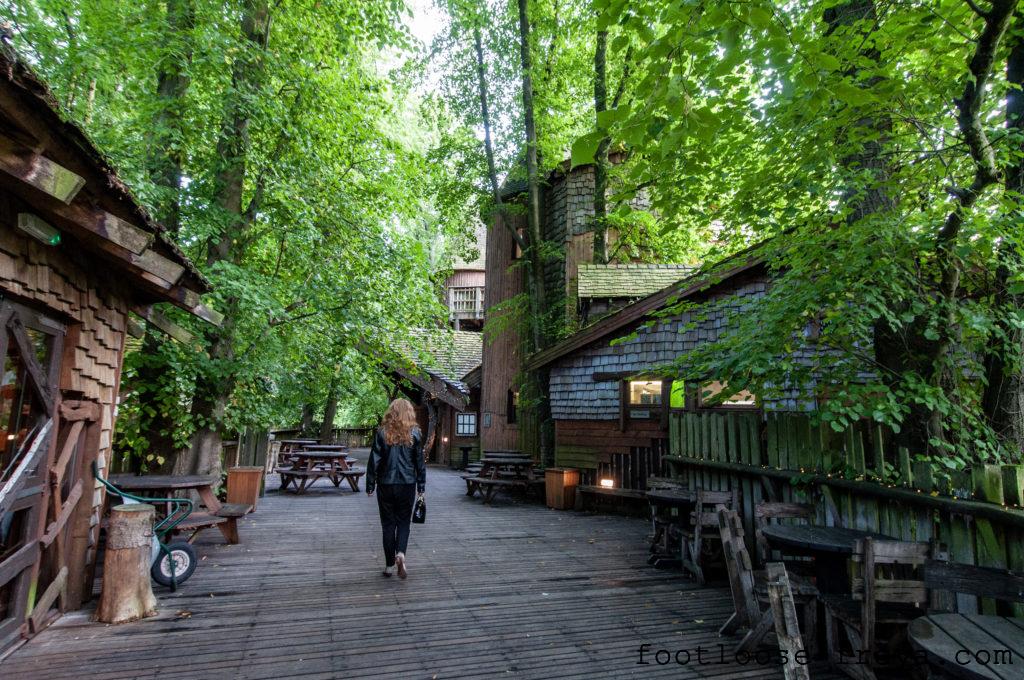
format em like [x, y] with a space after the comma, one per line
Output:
[127, 591]
[787, 630]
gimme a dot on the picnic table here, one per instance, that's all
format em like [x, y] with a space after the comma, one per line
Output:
[224, 516]
[830, 547]
[502, 470]
[309, 465]
[971, 646]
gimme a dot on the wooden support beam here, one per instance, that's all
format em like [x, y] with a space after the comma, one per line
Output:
[39, 171]
[164, 324]
[58, 587]
[134, 328]
[73, 410]
[70, 444]
[24, 558]
[55, 527]
[9, 491]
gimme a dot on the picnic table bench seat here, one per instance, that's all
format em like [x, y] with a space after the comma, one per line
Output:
[488, 486]
[290, 475]
[225, 519]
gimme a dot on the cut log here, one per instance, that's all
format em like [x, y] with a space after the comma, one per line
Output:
[127, 591]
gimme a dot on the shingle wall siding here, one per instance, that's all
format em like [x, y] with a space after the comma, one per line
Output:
[575, 395]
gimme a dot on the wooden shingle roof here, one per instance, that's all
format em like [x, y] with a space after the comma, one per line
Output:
[627, 280]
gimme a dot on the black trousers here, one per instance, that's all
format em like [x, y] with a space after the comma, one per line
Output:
[395, 503]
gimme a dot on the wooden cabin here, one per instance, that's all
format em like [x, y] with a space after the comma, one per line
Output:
[610, 406]
[443, 382]
[77, 255]
[581, 290]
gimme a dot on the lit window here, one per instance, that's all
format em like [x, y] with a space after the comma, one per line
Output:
[644, 392]
[677, 399]
[709, 396]
[465, 424]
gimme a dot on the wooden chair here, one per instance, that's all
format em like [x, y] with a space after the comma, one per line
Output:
[750, 591]
[888, 591]
[662, 548]
[764, 513]
[696, 543]
[944, 577]
[787, 630]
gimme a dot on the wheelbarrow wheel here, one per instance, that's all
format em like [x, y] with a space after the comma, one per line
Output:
[184, 559]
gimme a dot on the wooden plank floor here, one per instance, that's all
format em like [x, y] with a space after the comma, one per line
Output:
[513, 590]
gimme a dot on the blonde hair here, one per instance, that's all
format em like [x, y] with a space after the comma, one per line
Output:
[399, 421]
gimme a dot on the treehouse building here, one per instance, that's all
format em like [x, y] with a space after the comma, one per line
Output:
[443, 383]
[585, 291]
[610, 405]
[77, 255]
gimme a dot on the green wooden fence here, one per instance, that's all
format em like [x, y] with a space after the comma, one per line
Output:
[856, 480]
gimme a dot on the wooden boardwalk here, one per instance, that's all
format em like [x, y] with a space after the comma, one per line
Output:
[514, 590]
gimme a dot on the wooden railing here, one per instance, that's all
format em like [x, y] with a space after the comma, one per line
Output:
[856, 480]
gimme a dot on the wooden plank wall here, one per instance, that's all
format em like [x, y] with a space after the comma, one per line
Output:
[599, 449]
[60, 282]
[501, 355]
[856, 480]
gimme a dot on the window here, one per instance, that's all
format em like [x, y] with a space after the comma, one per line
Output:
[465, 302]
[709, 396]
[677, 398]
[644, 392]
[465, 424]
[512, 408]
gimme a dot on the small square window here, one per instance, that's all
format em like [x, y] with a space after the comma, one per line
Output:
[644, 392]
[465, 424]
[709, 392]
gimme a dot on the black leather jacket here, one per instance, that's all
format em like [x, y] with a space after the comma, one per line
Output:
[396, 463]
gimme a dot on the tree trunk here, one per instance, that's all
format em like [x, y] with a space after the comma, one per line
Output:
[127, 590]
[534, 249]
[165, 170]
[601, 157]
[308, 412]
[431, 435]
[214, 391]
[1003, 398]
[330, 410]
[538, 301]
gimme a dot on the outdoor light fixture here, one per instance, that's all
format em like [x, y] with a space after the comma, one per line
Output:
[38, 228]
[608, 483]
[444, 439]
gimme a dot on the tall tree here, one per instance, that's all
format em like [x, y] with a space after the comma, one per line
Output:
[1003, 397]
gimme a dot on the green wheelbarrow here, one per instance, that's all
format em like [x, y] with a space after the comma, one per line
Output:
[172, 562]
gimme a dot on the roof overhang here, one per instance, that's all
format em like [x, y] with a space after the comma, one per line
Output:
[61, 178]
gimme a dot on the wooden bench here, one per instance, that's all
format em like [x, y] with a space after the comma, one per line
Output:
[225, 519]
[489, 487]
[627, 501]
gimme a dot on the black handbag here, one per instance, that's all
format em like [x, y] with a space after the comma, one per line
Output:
[419, 511]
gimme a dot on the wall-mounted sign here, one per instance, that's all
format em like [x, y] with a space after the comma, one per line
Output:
[640, 413]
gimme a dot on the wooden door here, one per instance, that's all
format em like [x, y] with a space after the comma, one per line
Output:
[30, 346]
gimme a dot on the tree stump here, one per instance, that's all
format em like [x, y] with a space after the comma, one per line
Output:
[127, 591]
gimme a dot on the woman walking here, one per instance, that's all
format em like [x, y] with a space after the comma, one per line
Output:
[397, 471]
